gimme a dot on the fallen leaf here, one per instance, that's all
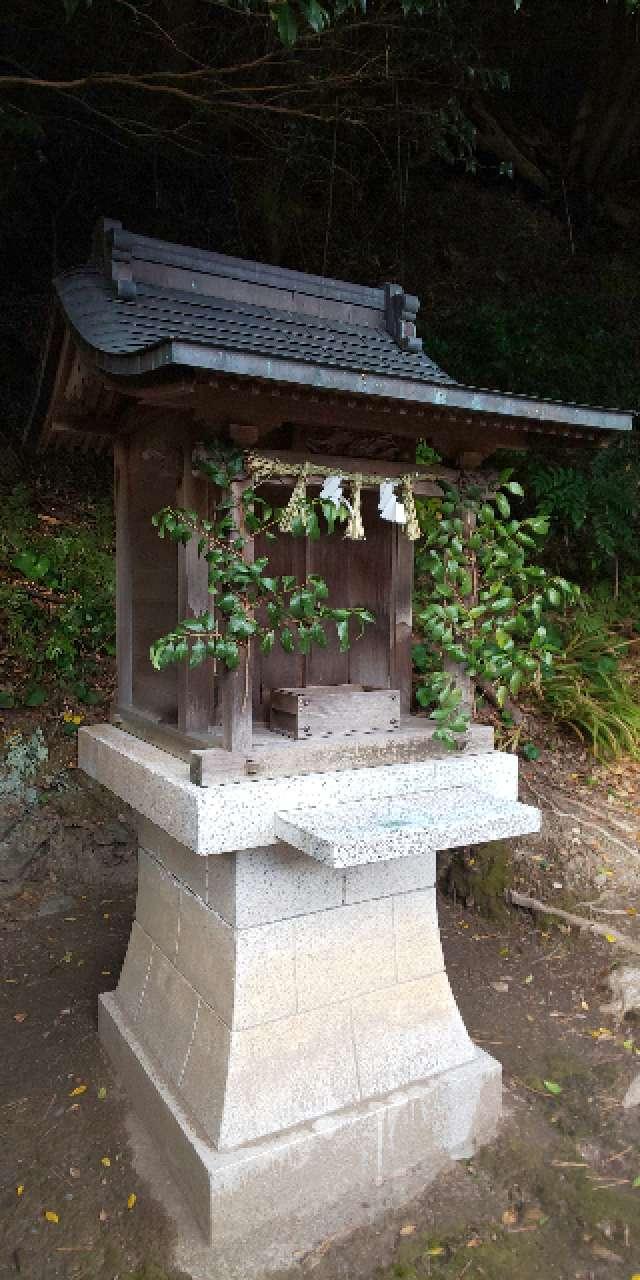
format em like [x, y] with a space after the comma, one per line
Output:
[528, 980]
[19, 1017]
[553, 1087]
[51, 1216]
[102, 1093]
[583, 1004]
[131, 1200]
[106, 1162]
[103, 1215]
[408, 1229]
[534, 1215]
[73, 1172]
[20, 1189]
[80, 1088]
[606, 1255]
[436, 1251]
[610, 937]
[509, 1217]
[474, 1242]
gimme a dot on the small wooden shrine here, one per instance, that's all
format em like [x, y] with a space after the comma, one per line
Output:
[156, 347]
[283, 1022]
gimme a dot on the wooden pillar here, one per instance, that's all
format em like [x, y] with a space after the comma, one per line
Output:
[237, 693]
[195, 684]
[124, 607]
[401, 615]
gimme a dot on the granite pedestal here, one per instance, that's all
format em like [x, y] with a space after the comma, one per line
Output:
[283, 1022]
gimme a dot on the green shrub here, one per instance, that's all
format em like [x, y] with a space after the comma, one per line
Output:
[57, 589]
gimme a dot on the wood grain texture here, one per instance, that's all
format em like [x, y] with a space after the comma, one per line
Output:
[124, 614]
[195, 684]
[237, 701]
[335, 711]
[274, 757]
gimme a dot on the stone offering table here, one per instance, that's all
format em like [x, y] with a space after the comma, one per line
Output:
[283, 1023]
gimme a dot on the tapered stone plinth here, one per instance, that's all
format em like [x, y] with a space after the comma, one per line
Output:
[285, 1027]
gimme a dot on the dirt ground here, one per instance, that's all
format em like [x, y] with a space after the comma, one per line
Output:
[554, 1198]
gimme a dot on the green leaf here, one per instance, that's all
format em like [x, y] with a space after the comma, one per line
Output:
[287, 640]
[530, 751]
[513, 487]
[35, 696]
[553, 1087]
[228, 603]
[198, 653]
[227, 651]
[315, 14]
[32, 566]
[286, 23]
[267, 641]
[342, 628]
[502, 504]
[241, 626]
[6, 699]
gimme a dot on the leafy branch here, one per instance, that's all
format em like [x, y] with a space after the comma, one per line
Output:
[247, 602]
[481, 603]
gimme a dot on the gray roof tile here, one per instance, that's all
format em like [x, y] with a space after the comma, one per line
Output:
[115, 326]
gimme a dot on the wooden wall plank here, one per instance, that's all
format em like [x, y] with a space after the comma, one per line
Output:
[370, 585]
[278, 669]
[195, 685]
[124, 618]
[155, 471]
[235, 686]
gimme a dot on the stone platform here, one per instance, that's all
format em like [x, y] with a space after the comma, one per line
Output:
[285, 1027]
[267, 1202]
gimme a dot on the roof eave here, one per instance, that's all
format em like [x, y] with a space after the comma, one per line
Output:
[441, 395]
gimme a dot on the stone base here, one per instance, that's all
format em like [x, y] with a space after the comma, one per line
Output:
[267, 1202]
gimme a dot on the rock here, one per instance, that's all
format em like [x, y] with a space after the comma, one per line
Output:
[625, 989]
[21, 852]
[55, 904]
[632, 1096]
[73, 835]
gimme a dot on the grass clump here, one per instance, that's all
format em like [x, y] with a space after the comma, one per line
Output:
[589, 690]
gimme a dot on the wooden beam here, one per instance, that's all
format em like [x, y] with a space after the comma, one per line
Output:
[426, 487]
[400, 616]
[281, 758]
